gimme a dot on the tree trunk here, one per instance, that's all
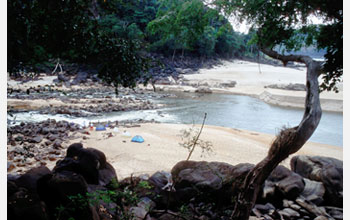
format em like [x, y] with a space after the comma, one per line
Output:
[173, 55]
[287, 142]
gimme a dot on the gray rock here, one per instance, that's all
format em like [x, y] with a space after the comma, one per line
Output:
[62, 78]
[229, 84]
[57, 144]
[313, 191]
[284, 181]
[161, 181]
[52, 137]
[30, 178]
[327, 170]
[203, 89]
[138, 213]
[290, 86]
[146, 203]
[289, 213]
[336, 213]
[291, 204]
[80, 78]
[264, 209]
[321, 218]
[36, 139]
[220, 180]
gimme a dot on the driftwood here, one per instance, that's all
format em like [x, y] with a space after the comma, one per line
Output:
[287, 142]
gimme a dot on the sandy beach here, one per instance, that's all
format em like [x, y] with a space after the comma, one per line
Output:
[161, 149]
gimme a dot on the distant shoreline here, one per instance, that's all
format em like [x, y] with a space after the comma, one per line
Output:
[252, 83]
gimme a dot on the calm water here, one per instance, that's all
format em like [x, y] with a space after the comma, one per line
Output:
[244, 112]
[235, 111]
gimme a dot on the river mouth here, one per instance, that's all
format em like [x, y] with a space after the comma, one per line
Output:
[227, 110]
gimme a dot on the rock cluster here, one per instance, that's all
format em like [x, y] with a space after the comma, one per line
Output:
[33, 144]
[88, 101]
[177, 67]
[192, 190]
[61, 193]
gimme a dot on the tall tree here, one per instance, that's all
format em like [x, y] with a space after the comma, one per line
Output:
[287, 23]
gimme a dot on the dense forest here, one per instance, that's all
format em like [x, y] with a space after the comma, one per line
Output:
[109, 35]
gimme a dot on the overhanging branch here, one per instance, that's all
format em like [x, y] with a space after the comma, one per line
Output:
[286, 58]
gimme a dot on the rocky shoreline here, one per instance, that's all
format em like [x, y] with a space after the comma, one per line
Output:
[80, 102]
[83, 185]
[31, 144]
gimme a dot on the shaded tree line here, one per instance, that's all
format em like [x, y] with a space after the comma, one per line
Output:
[114, 36]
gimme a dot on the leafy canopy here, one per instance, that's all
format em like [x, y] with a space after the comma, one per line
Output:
[288, 24]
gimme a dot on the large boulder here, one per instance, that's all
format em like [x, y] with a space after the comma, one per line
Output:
[30, 178]
[282, 183]
[203, 178]
[23, 204]
[65, 194]
[81, 77]
[89, 162]
[163, 187]
[327, 170]
[62, 78]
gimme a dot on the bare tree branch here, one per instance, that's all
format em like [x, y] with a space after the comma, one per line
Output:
[195, 142]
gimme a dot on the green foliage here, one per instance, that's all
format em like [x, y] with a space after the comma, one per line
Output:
[285, 24]
[76, 31]
[113, 36]
[206, 43]
[122, 198]
[77, 202]
[144, 185]
[192, 27]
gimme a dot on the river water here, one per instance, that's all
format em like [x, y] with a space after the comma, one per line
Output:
[244, 112]
[235, 111]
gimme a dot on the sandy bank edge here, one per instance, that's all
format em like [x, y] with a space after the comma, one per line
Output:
[161, 150]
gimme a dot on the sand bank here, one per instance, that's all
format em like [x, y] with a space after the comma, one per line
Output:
[250, 81]
[161, 149]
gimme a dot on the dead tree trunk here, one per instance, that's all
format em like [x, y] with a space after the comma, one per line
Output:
[287, 142]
